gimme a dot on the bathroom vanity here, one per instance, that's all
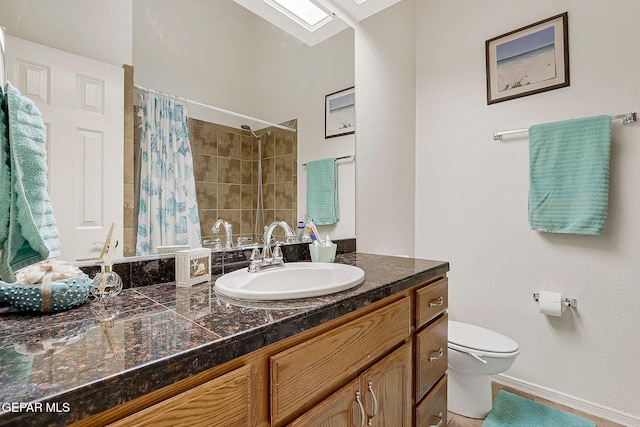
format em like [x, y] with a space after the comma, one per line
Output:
[373, 355]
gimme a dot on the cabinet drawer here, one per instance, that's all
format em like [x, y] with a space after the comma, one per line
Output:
[201, 405]
[304, 373]
[432, 411]
[431, 355]
[431, 301]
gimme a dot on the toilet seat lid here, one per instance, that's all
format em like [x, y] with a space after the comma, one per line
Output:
[477, 338]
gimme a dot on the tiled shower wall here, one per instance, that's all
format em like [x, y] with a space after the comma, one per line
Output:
[226, 172]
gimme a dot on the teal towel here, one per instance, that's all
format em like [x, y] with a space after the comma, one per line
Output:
[322, 191]
[569, 175]
[32, 235]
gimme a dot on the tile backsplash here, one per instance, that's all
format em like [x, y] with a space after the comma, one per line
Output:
[161, 269]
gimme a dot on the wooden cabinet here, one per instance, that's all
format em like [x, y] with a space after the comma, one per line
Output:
[383, 365]
[430, 358]
[308, 371]
[381, 396]
[223, 402]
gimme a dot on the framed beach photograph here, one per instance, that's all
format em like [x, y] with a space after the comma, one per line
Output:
[528, 60]
[340, 113]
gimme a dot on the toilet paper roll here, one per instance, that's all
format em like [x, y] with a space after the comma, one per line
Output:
[550, 303]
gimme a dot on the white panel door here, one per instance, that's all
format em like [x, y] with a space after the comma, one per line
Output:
[82, 105]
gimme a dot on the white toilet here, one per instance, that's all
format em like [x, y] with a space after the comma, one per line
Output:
[475, 354]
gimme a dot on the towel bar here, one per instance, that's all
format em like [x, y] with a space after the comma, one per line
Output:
[351, 156]
[626, 119]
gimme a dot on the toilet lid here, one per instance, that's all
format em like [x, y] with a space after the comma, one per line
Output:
[477, 338]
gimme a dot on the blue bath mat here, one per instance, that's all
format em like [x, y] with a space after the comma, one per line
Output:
[510, 410]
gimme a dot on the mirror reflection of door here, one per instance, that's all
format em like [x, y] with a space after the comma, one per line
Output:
[81, 104]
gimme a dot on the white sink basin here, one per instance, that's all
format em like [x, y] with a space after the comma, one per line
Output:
[294, 280]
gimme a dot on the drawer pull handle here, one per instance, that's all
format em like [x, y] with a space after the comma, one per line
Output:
[436, 355]
[363, 415]
[439, 416]
[437, 302]
[375, 403]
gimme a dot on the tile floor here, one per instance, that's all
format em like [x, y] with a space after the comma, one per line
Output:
[454, 420]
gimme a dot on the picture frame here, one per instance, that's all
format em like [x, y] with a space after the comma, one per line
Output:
[340, 113]
[528, 60]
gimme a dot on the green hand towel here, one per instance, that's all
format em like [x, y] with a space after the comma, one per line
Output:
[569, 175]
[322, 191]
[33, 235]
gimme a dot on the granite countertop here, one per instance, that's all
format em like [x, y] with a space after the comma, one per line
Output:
[62, 367]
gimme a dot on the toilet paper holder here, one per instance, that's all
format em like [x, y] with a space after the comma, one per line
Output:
[569, 302]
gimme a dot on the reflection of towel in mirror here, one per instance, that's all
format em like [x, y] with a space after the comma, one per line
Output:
[32, 234]
[322, 191]
[5, 175]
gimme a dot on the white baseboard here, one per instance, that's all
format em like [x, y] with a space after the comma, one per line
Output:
[569, 401]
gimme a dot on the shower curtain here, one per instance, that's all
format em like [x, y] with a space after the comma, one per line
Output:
[168, 209]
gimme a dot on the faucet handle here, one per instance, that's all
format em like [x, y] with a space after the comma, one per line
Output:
[255, 260]
[255, 255]
[267, 255]
[277, 254]
[243, 239]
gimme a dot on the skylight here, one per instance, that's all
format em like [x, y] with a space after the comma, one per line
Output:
[304, 12]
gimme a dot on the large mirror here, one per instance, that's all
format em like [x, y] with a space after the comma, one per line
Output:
[216, 53]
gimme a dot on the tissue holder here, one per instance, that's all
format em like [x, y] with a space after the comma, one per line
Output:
[193, 266]
[552, 303]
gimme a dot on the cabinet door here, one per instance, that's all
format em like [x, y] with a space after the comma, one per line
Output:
[342, 409]
[222, 402]
[386, 389]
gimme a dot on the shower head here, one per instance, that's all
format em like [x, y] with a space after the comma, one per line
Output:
[259, 137]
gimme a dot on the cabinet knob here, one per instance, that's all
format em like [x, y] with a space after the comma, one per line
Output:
[436, 355]
[436, 302]
[375, 403]
[440, 419]
[363, 415]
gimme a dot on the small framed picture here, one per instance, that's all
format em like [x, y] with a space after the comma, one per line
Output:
[340, 113]
[528, 60]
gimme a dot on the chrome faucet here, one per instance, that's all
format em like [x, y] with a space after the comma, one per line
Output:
[268, 232]
[268, 258]
[228, 229]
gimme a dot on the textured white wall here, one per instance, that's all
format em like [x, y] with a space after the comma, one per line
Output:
[471, 194]
[96, 29]
[385, 131]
